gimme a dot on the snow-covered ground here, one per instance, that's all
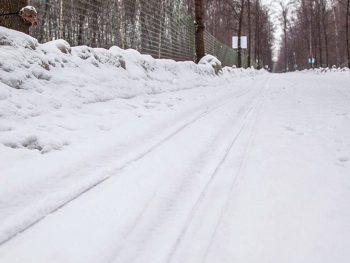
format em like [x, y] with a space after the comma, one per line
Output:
[113, 156]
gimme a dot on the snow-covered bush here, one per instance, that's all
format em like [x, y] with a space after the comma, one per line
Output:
[213, 62]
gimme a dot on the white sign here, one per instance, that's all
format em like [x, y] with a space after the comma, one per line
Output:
[244, 42]
[311, 60]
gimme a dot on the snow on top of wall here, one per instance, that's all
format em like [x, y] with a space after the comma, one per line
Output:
[211, 61]
[11, 38]
[38, 79]
[333, 69]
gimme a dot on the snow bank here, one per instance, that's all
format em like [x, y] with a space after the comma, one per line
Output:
[242, 72]
[333, 69]
[65, 112]
[40, 79]
[211, 61]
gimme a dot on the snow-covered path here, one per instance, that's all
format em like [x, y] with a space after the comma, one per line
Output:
[258, 173]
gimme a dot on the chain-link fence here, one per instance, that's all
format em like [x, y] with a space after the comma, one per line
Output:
[163, 29]
[224, 53]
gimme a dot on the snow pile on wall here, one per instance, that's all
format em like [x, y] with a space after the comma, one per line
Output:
[64, 110]
[38, 79]
[242, 72]
[333, 69]
[25, 64]
[213, 62]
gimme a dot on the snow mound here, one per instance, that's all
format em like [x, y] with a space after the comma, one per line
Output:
[213, 62]
[41, 80]
[38, 80]
[333, 69]
[241, 72]
[56, 46]
[12, 38]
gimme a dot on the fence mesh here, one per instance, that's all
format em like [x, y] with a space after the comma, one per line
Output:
[163, 29]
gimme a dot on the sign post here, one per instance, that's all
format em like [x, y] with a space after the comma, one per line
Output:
[243, 45]
[244, 42]
[311, 61]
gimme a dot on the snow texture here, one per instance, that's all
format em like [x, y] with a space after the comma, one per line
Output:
[114, 156]
[212, 61]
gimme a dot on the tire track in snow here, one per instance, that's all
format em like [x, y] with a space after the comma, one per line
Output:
[74, 196]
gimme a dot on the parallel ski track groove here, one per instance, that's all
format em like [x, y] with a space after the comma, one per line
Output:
[232, 186]
[127, 163]
[212, 177]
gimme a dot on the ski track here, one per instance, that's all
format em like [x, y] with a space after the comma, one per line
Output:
[236, 178]
[248, 119]
[158, 207]
[213, 176]
[239, 126]
[130, 161]
[140, 217]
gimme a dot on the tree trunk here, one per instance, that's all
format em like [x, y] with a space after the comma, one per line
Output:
[9, 15]
[285, 20]
[61, 33]
[95, 25]
[325, 33]
[318, 19]
[239, 50]
[285, 47]
[257, 33]
[82, 14]
[199, 13]
[249, 34]
[347, 31]
[336, 33]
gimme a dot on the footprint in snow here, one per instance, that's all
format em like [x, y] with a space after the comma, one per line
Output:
[104, 127]
[343, 159]
[289, 128]
[132, 106]
[344, 114]
[149, 106]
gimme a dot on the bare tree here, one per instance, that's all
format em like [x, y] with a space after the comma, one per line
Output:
[347, 30]
[284, 17]
[336, 31]
[239, 34]
[199, 16]
[320, 30]
[249, 33]
[257, 40]
[324, 27]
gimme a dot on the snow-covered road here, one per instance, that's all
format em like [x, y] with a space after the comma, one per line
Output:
[258, 173]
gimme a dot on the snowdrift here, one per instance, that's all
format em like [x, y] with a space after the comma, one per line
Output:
[37, 79]
[333, 69]
[71, 115]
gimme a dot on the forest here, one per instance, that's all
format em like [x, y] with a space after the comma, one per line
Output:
[282, 35]
[314, 31]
